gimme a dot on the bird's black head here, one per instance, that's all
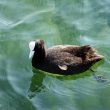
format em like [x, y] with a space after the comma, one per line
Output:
[39, 45]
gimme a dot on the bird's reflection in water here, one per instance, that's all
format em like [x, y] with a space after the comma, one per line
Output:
[37, 79]
[36, 83]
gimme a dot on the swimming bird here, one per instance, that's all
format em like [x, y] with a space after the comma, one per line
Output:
[62, 59]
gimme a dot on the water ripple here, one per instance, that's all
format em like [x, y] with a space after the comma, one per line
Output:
[29, 16]
[77, 87]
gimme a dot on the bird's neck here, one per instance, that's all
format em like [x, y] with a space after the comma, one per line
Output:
[39, 57]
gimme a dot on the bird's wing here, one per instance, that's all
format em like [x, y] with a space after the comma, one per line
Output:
[64, 59]
[69, 61]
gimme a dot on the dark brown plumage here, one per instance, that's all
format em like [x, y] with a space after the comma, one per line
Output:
[63, 59]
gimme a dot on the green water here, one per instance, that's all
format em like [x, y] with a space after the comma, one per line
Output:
[57, 22]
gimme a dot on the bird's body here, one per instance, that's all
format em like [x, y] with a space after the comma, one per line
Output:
[64, 59]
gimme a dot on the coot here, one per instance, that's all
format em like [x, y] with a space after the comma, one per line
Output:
[62, 59]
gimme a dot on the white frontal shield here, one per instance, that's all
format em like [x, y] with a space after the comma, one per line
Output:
[31, 47]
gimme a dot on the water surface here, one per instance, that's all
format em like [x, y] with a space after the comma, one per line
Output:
[77, 22]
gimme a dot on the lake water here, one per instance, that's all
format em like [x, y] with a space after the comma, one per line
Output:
[77, 22]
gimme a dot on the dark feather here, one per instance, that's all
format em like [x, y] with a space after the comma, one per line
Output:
[64, 59]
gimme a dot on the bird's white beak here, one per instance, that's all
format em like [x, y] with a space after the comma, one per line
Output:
[31, 47]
